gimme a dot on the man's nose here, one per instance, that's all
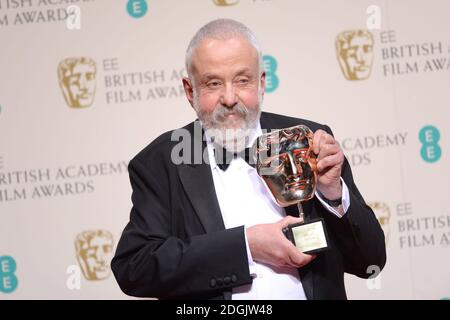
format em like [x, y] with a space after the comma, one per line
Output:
[229, 98]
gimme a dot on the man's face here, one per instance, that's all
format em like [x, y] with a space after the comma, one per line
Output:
[96, 256]
[356, 57]
[227, 88]
[287, 164]
[81, 85]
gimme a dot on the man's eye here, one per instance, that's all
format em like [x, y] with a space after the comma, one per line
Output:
[213, 84]
[243, 81]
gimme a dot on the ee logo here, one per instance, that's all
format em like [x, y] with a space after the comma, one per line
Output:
[429, 137]
[137, 8]
[270, 66]
[8, 281]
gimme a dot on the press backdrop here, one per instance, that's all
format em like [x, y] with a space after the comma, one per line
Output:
[85, 85]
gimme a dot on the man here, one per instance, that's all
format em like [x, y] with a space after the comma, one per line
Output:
[202, 230]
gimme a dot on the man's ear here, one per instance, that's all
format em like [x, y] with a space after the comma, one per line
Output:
[188, 90]
[263, 83]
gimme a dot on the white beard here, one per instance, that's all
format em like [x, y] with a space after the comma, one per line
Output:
[233, 135]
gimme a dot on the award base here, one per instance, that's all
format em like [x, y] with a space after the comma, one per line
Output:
[309, 237]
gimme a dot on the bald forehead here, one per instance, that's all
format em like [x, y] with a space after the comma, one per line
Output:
[211, 52]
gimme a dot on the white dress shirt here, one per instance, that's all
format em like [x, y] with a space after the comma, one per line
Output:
[244, 199]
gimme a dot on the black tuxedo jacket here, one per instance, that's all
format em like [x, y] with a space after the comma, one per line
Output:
[176, 245]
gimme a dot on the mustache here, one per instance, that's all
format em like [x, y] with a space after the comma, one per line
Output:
[221, 112]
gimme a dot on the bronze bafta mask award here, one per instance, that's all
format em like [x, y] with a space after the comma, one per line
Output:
[286, 162]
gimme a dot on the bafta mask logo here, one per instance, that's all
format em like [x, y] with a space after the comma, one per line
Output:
[77, 81]
[383, 214]
[225, 3]
[287, 164]
[94, 251]
[354, 51]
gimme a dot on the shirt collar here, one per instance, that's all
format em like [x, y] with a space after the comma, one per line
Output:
[255, 133]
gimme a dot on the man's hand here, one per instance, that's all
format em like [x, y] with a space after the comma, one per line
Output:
[330, 159]
[269, 245]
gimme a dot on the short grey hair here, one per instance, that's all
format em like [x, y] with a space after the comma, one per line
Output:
[222, 29]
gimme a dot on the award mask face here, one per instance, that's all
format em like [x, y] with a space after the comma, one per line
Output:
[355, 53]
[94, 253]
[77, 81]
[287, 164]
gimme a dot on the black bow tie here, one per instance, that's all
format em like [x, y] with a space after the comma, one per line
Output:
[224, 157]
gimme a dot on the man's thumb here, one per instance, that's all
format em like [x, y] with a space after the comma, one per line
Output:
[289, 220]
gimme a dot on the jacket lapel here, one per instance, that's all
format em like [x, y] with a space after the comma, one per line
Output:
[197, 181]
